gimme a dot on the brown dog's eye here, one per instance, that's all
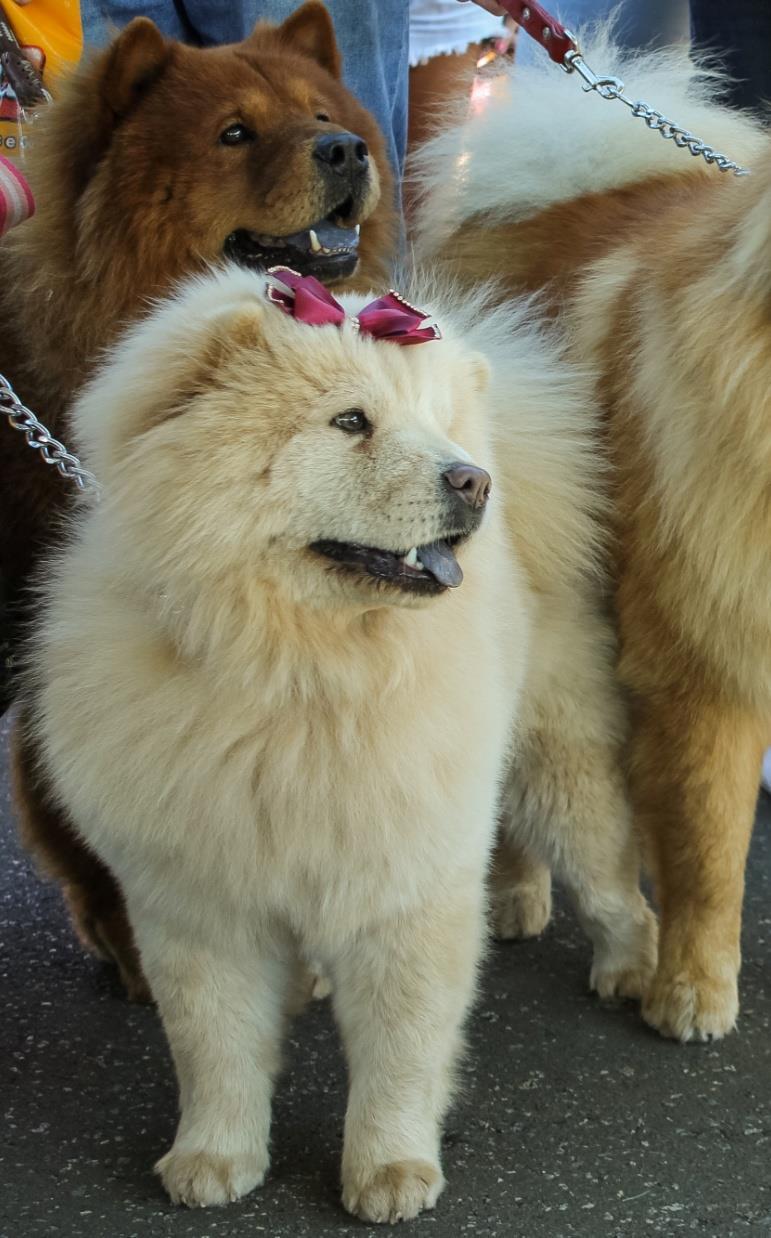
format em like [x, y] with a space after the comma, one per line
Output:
[353, 421]
[234, 135]
[322, 116]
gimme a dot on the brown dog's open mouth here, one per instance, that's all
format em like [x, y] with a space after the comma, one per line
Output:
[425, 569]
[329, 249]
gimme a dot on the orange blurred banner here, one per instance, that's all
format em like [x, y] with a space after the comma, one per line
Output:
[52, 25]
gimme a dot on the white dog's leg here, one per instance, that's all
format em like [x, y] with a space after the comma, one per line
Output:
[400, 995]
[222, 1008]
[568, 803]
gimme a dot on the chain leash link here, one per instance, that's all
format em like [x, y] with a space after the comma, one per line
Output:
[613, 88]
[40, 439]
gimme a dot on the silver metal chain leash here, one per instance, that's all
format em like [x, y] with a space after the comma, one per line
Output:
[40, 439]
[613, 88]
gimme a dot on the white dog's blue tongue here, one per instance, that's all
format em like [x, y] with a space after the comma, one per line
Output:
[438, 559]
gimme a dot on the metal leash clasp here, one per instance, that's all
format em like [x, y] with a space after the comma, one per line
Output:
[607, 87]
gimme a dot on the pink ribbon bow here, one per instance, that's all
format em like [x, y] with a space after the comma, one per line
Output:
[388, 318]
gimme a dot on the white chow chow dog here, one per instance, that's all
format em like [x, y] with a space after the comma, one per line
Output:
[268, 703]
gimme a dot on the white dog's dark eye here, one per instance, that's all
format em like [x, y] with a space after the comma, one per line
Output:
[353, 421]
[235, 134]
[322, 116]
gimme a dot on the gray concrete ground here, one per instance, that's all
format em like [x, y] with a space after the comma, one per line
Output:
[574, 1119]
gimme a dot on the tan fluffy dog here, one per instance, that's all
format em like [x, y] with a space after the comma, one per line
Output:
[663, 268]
[288, 739]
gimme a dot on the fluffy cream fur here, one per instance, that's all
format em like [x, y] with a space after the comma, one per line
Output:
[281, 761]
[542, 140]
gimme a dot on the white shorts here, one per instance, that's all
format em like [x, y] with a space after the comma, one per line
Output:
[443, 27]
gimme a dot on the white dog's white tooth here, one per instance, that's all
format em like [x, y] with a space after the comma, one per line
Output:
[411, 558]
[419, 565]
[357, 229]
[315, 242]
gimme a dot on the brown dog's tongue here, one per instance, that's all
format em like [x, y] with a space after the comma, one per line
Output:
[438, 559]
[326, 236]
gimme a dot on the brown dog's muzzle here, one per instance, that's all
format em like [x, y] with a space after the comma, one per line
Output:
[327, 247]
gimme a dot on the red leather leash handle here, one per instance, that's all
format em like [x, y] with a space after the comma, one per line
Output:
[541, 26]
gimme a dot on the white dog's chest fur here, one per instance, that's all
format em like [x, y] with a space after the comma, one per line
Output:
[322, 811]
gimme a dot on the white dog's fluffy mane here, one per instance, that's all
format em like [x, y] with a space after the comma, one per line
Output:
[541, 139]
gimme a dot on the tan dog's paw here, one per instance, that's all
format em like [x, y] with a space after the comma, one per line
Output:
[201, 1178]
[521, 911]
[322, 986]
[628, 970]
[688, 1007]
[631, 982]
[395, 1192]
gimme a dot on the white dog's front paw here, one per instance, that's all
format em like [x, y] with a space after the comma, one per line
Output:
[201, 1178]
[395, 1192]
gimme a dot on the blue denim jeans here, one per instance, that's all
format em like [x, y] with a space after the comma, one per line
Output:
[373, 36]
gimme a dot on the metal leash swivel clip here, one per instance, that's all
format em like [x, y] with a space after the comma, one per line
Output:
[606, 87]
[613, 88]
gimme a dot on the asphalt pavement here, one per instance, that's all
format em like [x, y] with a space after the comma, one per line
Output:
[574, 1118]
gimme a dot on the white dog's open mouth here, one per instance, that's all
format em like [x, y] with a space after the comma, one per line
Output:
[422, 569]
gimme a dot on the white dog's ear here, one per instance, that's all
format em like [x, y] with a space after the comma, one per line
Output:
[194, 362]
[158, 371]
[187, 365]
[479, 369]
[228, 329]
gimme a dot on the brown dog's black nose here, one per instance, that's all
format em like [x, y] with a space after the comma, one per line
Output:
[469, 483]
[344, 153]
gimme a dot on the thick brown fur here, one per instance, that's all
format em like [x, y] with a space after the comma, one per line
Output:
[664, 280]
[134, 190]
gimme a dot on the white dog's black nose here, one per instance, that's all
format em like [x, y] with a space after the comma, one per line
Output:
[470, 484]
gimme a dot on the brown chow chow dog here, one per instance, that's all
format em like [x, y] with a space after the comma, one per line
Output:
[662, 268]
[155, 161]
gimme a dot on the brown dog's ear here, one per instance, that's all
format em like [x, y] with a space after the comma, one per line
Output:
[136, 58]
[310, 31]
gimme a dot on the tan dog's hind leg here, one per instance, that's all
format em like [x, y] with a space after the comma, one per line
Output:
[695, 773]
[400, 994]
[572, 806]
[223, 1008]
[520, 891]
[567, 799]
